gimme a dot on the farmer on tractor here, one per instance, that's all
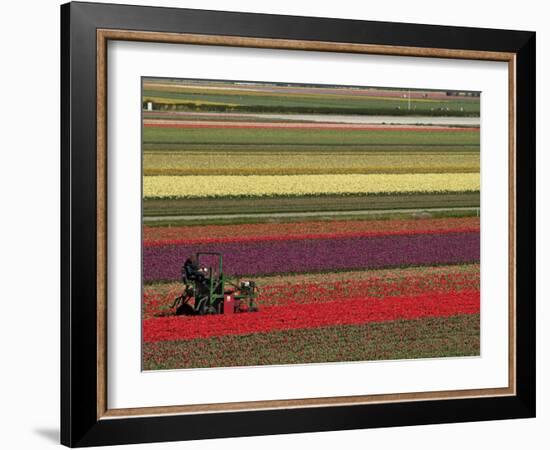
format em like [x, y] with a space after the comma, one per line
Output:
[191, 270]
[208, 291]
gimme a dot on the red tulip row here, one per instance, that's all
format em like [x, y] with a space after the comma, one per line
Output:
[153, 236]
[316, 288]
[325, 292]
[430, 337]
[351, 311]
[163, 123]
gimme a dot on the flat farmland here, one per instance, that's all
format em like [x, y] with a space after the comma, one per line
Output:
[402, 339]
[296, 163]
[319, 136]
[268, 98]
[328, 203]
[307, 147]
[225, 163]
[184, 168]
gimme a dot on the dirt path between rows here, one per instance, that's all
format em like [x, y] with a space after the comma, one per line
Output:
[328, 118]
[302, 214]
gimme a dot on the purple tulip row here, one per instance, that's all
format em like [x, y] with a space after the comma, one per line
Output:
[266, 257]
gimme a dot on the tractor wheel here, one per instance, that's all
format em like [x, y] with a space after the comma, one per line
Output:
[211, 310]
[202, 308]
[185, 309]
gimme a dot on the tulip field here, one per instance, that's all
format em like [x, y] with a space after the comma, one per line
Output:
[357, 218]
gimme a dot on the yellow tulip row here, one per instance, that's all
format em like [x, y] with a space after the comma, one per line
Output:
[296, 185]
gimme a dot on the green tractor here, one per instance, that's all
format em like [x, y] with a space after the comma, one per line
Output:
[208, 291]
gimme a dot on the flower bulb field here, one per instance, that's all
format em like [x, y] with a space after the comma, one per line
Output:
[353, 210]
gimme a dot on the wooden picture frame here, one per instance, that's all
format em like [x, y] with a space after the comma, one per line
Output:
[86, 419]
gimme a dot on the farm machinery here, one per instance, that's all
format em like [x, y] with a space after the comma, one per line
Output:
[208, 291]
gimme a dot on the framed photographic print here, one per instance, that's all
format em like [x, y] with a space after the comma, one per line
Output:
[289, 224]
